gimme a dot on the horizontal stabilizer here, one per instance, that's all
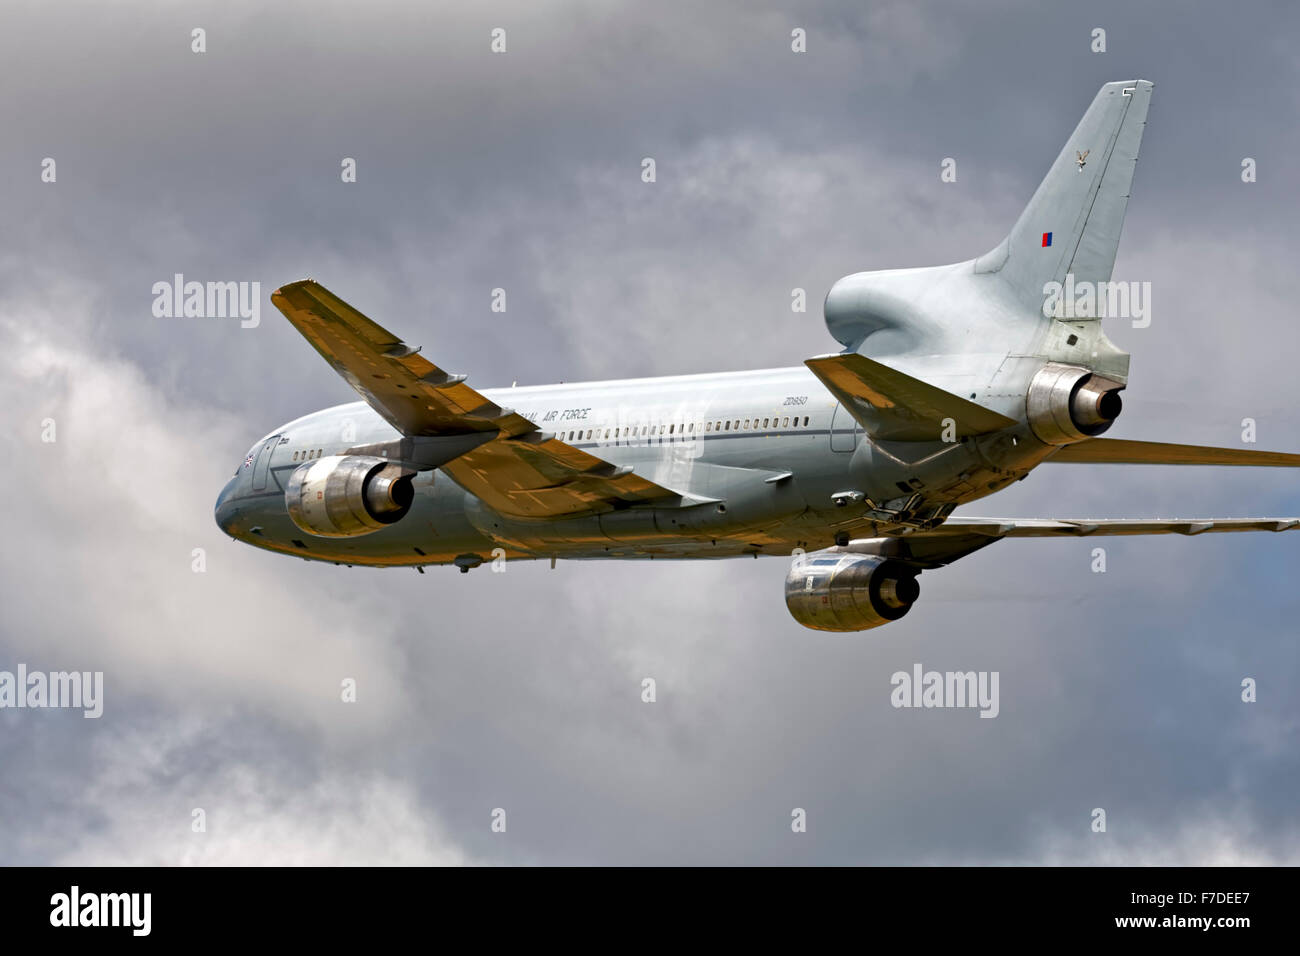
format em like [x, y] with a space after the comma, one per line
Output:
[891, 405]
[1119, 451]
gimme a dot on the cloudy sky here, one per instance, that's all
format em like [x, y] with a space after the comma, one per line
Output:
[522, 691]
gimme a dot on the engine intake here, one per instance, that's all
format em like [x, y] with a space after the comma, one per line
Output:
[1066, 403]
[835, 591]
[347, 495]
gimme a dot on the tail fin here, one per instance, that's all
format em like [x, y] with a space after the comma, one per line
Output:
[1072, 224]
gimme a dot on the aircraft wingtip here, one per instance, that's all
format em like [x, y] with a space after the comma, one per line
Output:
[289, 287]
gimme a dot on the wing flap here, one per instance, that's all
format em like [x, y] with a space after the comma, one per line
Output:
[892, 405]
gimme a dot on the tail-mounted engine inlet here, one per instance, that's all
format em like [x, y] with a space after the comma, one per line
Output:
[1067, 403]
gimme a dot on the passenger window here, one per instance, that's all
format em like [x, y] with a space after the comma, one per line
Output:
[708, 426]
[805, 421]
[785, 423]
[765, 423]
[670, 429]
[728, 425]
[736, 424]
[746, 423]
[692, 426]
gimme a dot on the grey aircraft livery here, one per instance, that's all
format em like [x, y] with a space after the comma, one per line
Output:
[953, 382]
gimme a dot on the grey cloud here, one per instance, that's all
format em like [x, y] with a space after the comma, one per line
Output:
[522, 690]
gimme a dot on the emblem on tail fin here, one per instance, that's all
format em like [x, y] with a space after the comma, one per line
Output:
[1082, 159]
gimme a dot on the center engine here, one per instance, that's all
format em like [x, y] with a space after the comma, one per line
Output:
[835, 591]
[1066, 403]
[346, 495]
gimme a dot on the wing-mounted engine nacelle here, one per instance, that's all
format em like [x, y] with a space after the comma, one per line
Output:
[836, 591]
[1066, 403]
[346, 495]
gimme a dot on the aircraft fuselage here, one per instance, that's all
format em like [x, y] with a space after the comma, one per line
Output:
[776, 462]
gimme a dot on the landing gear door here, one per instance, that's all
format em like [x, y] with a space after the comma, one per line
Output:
[845, 430]
[262, 467]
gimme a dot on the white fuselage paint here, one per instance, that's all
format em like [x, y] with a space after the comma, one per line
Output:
[728, 436]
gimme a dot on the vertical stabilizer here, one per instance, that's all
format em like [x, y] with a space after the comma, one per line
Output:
[1072, 224]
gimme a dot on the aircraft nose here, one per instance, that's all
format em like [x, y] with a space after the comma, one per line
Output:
[226, 511]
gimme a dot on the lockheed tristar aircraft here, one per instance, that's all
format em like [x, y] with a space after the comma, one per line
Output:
[953, 382]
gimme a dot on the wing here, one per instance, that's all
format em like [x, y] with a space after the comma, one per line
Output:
[413, 394]
[893, 406]
[510, 464]
[1082, 527]
[1119, 451]
[958, 537]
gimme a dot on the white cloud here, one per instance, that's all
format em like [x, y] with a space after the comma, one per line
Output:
[1204, 838]
[113, 510]
[253, 814]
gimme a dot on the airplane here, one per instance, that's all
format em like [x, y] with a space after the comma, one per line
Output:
[953, 382]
